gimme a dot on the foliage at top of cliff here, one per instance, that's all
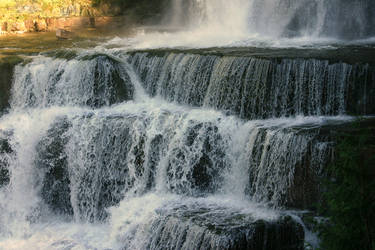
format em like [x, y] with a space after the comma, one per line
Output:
[15, 11]
[18, 10]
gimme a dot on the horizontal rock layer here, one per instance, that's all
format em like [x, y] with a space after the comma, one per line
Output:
[94, 81]
[253, 87]
[197, 227]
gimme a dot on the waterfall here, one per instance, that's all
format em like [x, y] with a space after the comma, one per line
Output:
[69, 82]
[277, 18]
[259, 88]
[185, 146]
[170, 149]
[260, 23]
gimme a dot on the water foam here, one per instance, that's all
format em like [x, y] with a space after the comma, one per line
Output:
[133, 164]
[264, 23]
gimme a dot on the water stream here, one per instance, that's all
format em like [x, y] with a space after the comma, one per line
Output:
[114, 148]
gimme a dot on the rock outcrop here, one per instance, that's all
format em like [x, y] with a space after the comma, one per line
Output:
[7, 65]
[200, 227]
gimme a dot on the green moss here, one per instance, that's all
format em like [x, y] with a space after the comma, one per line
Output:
[10, 60]
[350, 193]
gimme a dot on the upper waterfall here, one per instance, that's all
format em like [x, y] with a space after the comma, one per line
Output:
[276, 23]
[338, 19]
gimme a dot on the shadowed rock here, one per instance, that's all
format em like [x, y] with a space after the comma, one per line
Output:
[95, 81]
[261, 85]
[5, 149]
[7, 65]
[199, 227]
[53, 161]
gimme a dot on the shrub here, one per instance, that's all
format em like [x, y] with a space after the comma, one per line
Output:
[349, 200]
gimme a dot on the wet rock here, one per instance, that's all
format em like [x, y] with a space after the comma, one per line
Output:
[305, 191]
[4, 174]
[110, 87]
[6, 75]
[52, 160]
[94, 181]
[5, 149]
[97, 174]
[112, 171]
[96, 80]
[189, 227]
[287, 167]
[274, 160]
[253, 87]
[198, 162]
[154, 158]
[63, 34]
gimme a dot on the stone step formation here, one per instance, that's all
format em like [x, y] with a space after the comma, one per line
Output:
[224, 151]
[211, 133]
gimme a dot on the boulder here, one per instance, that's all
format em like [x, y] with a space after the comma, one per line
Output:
[200, 227]
[63, 34]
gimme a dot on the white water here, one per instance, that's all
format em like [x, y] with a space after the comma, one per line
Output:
[47, 90]
[264, 23]
[27, 220]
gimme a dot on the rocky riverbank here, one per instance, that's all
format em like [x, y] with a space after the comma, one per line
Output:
[52, 24]
[42, 15]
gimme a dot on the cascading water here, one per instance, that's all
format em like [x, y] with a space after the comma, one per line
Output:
[209, 23]
[182, 149]
[151, 174]
[259, 88]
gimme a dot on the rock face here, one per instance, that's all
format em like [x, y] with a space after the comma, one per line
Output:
[63, 34]
[200, 227]
[206, 170]
[53, 24]
[7, 65]
[102, 180]
[55, 190]
[94, 81]
[257, 88]
[305, 191]
[278, 175]
[5, 150]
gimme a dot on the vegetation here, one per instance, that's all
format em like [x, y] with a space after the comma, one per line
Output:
[350, 196]
[137, 8]
[18, 10]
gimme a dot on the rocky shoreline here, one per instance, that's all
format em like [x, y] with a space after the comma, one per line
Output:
[53, 24]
